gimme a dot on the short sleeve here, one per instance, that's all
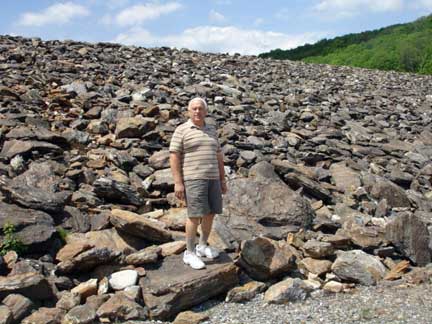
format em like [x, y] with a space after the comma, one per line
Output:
[176, 144]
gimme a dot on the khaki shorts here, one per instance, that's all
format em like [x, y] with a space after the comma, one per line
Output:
[203, 197]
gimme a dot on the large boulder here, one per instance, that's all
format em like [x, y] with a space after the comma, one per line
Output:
[395, 195]
[33, 228]
[263, 258]
[172, 287]
[358, 267]
[32, 285]
[260, 206]
[140, 226]
[37, 188]
[410, 234]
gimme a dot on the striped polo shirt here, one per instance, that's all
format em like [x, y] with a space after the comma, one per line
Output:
[198, 148]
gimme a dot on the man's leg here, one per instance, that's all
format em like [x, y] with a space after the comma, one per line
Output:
[206, 226]
[191, 231]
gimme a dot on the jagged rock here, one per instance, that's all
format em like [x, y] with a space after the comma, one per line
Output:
[190, 318]
[16, 147]
[34, 228]
[358, 267]
[68, 300]
[87, 260]
[318, 267]
[121, 308]
[263, 258]
[71, 250]
[255, 207]
[395, 195]
[363, 234]
[317, 249]
[129, 127]
[173, 287]
[145, 256]
[410, 234]
[288, 290]
[19, 306]
[45, 315]
[140, 226]
[123, 279]
[344, 177]
[159, 160]
[37, 188]
[80, 314]
[32, 285]
[171, 248]
[86, 289]
[113, 190]
[245, 293]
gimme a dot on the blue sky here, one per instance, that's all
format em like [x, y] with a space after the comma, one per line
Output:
[233, 26]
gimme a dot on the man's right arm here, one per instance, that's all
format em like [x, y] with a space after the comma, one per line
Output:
[175, 164]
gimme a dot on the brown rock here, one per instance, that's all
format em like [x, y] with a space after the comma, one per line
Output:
[317, 249]
[288, 290]
[263, 258]
[82, 314]
[145, 256]
[398, 270]
[318, 267]
[174, 287]
[31, 285]
[87, 260]
[190, 317]
[45, 316]
[72, 250]
[19, 306]
[139, 226]
[171, 248]
[121, 308]
[86, 289]
[246, 292]
[346, 179]
[5, 315]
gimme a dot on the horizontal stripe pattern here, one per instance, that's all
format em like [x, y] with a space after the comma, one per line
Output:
[198, 148]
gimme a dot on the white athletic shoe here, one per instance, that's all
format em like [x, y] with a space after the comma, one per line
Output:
[206, 251]
[193, 260]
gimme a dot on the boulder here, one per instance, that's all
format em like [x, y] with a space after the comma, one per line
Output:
[410, 234]
[264, 258]
[246, 292]
[134, 224]
[45, 315]
[358, 267]
[112, 190]
[123, 279]
[256, 207]
[5, 315]
[82, 314]
[121, 308]
[288, 290]
[37, 188]
[19, 305]
[31, 285]
[189, 317]
[172, 287]
[395, 195]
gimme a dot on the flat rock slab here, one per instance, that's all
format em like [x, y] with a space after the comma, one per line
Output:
[31, 285]
[174, 286]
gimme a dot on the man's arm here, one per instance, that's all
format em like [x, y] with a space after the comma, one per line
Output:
[221, 172]
[175, 164]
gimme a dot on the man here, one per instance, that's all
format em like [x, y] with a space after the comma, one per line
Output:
[196, 162]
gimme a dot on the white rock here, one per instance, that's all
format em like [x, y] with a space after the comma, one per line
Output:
[122, 279]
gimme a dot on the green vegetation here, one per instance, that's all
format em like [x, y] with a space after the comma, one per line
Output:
[62, 233]
[403, 47]
[10, 241]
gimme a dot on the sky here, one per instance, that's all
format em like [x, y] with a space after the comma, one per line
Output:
[219, 26]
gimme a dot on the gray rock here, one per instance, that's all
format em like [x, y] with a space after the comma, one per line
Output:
[123, 279]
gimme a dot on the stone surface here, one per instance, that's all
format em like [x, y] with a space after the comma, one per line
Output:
[264, 258]
[86, 289]
[318, 267]
[87, 260]
[288, 290]
[82, 314]
[31, 285]
[190, 318]
[123, 279]
[145, 256]
[410, 234]
[358, 267]
[173, 287]
[246, 292]
[19, 306]
[121, 308]
[44, 315]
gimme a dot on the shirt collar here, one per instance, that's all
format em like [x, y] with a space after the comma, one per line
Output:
[192, 125]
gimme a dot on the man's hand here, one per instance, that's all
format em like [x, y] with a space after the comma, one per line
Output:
[179, 191]
[224, 187]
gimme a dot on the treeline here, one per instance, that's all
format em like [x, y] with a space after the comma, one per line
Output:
[403, 47]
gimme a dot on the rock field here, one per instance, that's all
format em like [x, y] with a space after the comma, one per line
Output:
[329, 185]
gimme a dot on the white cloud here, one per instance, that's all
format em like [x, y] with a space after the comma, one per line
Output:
[216, 17]
[59, 13]
[347, 8]
[258, 22]
[138, 14]
[219, 39]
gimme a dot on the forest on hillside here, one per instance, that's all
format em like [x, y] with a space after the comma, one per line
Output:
[403, 47]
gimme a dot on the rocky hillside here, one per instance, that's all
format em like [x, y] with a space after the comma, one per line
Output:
[330, 180]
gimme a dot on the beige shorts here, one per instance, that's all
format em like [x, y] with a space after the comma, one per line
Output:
[203, 197]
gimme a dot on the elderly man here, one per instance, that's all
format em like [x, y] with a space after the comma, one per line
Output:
[197, 166]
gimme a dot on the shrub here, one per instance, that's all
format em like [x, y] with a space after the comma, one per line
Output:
[10, 241]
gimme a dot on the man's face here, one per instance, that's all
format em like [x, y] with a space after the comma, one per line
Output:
[197, 112]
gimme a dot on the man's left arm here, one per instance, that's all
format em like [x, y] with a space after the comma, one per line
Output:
[221, 172]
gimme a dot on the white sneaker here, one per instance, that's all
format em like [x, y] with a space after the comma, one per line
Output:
[206, 251]
[193, 260]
